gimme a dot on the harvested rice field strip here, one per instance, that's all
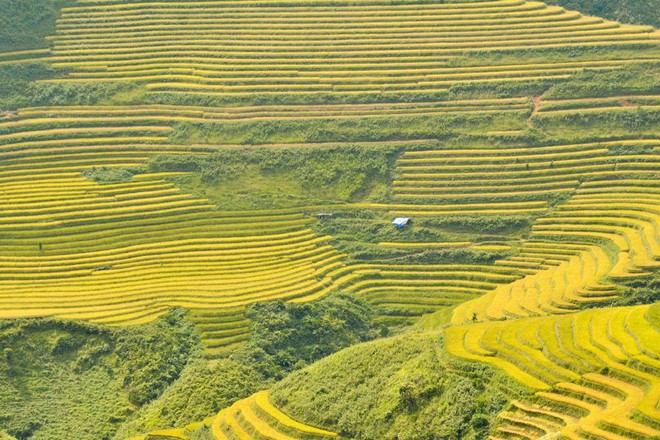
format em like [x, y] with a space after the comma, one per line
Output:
[119, 115]
[548, 105]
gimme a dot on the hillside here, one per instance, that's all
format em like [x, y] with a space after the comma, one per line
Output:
[639, 12]
[196, 206]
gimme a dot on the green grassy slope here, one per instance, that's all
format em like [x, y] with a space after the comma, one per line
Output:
[405, 387]
[25, 23]
[639, 12]
[61, 379]
[285, 338]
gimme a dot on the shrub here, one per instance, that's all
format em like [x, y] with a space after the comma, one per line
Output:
[286, 337]
[111, 175]
[152, 358]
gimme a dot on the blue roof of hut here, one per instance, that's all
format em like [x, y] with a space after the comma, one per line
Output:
[401, 221]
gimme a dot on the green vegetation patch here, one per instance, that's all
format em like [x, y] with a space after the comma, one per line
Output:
[625, 122]
[201, 390]
[63, 380]
[18, 88]
[284, 338]
[637, 291]
[112, 175]
[55, 383]
[25, 23]
[640, 79]
[287, 337]
[359, 232]
[367, 129]
[636, 12]
[263, 178]
[335, 97]
[397, 388]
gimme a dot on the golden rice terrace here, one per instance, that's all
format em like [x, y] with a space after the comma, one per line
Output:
[213, 155]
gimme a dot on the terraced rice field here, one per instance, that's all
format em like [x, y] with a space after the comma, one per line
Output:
[616, 209]
[606, 231]
[513, 174]
[171, 113]
[304, 48]
[23, 56]
[607, 104]
[597, 371]
[143, 246]
[256, 417]
[140, 246]
[400, 291]
[565, 276]
[124, 253]
[135, 243]
[253, 417]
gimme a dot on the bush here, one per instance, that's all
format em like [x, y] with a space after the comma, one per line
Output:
[495, 224]
[296, 99]
[368, 129]
[286, 337]
[8, 354]
[503, 89]
[151, 358]
[67, 343]
[640, 291]
[111, 175]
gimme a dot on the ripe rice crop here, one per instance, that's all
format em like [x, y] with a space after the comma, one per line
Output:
[575, 346]
[322, 47]
[256, 415]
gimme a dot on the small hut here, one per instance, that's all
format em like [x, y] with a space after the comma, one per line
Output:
[401, 222]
